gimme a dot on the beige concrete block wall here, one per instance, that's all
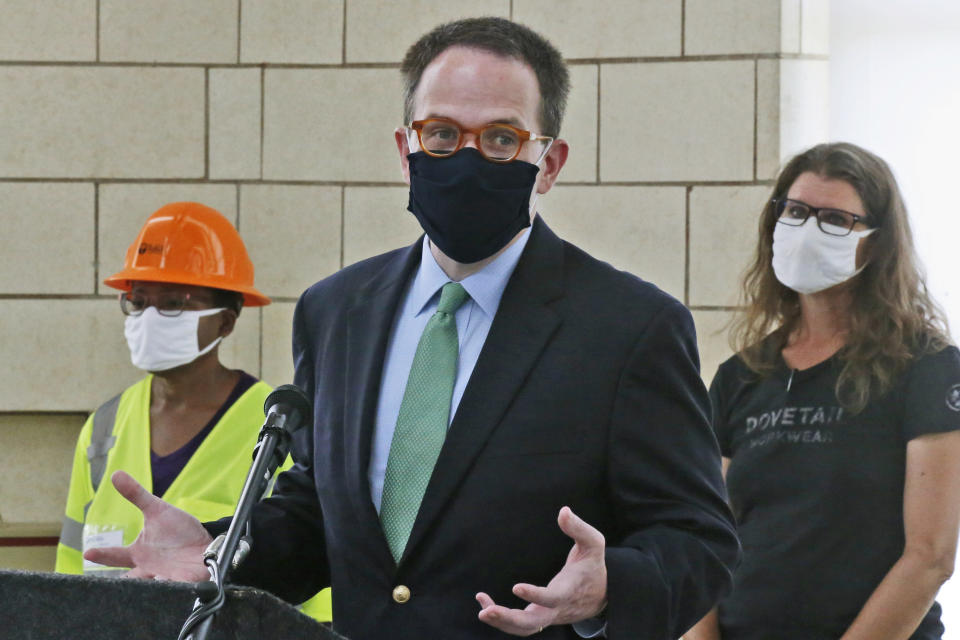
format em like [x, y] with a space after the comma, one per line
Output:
[294, 31]
[280, 113]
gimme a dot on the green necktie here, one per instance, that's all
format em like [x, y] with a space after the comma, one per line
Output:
[422, 421]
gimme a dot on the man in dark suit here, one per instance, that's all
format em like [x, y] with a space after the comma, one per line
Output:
[494, 409]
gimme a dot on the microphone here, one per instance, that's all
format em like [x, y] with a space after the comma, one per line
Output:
[289, 400]
[287, 409]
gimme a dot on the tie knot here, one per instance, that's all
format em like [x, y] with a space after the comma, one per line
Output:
[452, 296]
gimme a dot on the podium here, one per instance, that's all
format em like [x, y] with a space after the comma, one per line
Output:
[49, 605]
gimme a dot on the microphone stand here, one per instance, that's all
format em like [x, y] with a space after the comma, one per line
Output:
[287, 409]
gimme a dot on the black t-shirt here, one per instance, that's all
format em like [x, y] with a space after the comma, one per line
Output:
[818, 492]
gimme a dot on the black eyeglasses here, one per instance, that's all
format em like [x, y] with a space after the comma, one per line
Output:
[834, 222]
[167, 304]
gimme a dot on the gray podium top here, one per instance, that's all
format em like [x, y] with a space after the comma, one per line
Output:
[37, 606]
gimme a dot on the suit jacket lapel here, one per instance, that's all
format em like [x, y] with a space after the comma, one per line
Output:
[521, 329]
[369, 322]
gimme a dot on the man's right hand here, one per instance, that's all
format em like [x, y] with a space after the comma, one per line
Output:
[171, 545]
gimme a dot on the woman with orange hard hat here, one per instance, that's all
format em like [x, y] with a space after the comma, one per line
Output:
[185, 431]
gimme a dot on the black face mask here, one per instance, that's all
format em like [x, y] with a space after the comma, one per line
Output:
[468, 206]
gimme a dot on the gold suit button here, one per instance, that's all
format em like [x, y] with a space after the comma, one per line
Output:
[401, 594]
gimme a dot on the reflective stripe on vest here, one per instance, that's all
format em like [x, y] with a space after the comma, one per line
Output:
[71, 534]
[101, 439]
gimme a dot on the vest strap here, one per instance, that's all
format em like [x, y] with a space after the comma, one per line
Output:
[102, 439]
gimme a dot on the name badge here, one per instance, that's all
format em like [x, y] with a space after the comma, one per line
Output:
[112, 538]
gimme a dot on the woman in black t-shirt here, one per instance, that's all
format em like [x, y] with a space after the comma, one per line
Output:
[839, 418]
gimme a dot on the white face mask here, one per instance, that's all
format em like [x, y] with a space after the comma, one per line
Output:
[158, 343]
[808, 260]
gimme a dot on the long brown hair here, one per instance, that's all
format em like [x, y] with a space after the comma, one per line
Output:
[893, 319]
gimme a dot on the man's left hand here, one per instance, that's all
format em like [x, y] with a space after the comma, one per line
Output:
[578, 592]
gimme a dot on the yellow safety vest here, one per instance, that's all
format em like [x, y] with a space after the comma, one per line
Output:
[207, 487]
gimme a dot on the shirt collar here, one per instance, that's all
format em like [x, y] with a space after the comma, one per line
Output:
[485, 287]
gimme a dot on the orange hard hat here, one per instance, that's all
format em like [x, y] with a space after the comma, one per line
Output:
[189, 243]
